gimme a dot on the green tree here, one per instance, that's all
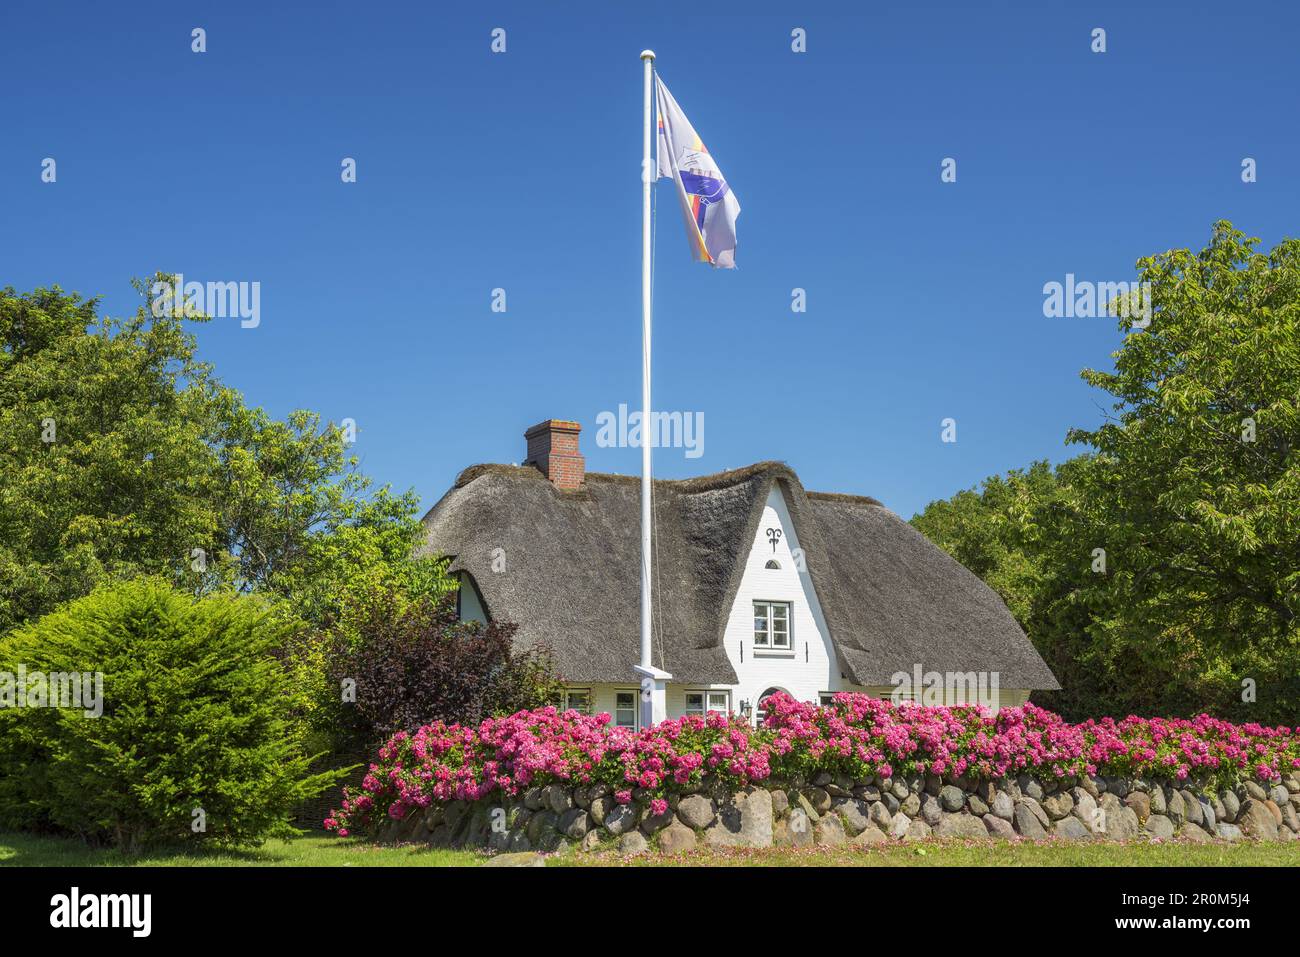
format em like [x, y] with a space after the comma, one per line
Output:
[1196, 492]
[122, 454]
[103, 467]
[1160, 572]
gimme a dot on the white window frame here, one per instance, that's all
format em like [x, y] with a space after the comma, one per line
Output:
[768, 645]
[567, 705]
[706, 696]
[826, 698]
[636, 708]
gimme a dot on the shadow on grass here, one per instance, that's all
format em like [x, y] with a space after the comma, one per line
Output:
[306, 850]
[34, 850]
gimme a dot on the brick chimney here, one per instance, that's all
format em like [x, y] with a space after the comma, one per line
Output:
[553, 448]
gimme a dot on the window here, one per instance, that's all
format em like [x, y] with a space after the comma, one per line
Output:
[469, 603]
[772, 625]
[826, 698]
[700, 702]
[625, 709]
[773, 564]
[576, 699]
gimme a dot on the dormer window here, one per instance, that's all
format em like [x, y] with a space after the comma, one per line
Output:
[772, 625]
[772, 563]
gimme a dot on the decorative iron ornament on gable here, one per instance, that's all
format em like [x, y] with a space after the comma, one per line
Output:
[773, 536]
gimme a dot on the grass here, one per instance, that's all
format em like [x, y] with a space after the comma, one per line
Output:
[311, 850]
[317, 850]
[972, 854]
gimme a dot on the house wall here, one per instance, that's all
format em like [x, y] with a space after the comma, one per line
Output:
[603, 696]
[1006, 697]
[810, 668]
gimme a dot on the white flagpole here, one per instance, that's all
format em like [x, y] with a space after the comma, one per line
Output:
[647, 183]
[653, 697]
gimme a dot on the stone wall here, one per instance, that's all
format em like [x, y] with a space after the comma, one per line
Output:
[837, 811]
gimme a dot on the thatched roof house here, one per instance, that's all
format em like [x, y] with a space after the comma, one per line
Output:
[760, 585]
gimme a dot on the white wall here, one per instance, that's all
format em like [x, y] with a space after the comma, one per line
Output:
[1006, 697]
[603, 696]
[811, 667]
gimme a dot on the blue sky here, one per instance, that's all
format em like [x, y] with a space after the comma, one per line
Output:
[521, 171]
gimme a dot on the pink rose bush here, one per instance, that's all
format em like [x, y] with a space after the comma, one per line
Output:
[856, 735]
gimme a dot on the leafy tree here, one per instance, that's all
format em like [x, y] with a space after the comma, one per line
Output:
[195, 743]
[103, 467]
[1191, 492]
[1196, 493]
[122, 454]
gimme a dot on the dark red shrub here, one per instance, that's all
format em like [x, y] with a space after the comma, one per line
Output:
[417, 663]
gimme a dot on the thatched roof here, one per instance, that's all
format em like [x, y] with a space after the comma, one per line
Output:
[570, 581]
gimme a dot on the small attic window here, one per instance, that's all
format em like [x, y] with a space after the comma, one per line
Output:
[772, 563]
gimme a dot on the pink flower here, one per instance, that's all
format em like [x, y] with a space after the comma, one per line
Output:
[856, 736]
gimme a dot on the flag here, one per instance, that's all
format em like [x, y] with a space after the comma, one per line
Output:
[708, 204]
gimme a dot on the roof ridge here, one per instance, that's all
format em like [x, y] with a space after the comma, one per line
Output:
[697, 483]
[845, 497]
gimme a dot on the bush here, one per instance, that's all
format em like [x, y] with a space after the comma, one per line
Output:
[857, 735]
[194, 743]
[413, 662]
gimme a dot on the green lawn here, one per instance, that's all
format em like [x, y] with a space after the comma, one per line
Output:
[317, 850]
[312, 850]
[990, 854]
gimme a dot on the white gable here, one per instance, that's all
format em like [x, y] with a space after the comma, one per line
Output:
[809, 667]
